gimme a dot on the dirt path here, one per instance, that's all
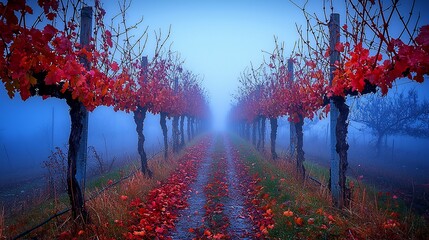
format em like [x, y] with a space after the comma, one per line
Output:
[233, 204]
[240, 225]
[193, 216]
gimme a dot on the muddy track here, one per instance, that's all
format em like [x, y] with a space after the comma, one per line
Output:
[240, 227]
[194, 217]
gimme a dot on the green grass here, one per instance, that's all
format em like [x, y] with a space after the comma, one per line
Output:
[318, 172]
[310, 202]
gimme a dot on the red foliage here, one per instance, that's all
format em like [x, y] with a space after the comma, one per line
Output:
[359, 67]
[53, 58]
[298, 96]
[155, 217]
[303, 96]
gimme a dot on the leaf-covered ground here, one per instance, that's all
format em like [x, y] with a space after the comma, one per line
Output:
[220, 187]
[205, 199]
[228, 190]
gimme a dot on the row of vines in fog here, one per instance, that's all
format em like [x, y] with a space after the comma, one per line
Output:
[331, 62]
[61, 54]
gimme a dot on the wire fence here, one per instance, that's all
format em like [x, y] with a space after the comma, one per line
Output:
[92, 196]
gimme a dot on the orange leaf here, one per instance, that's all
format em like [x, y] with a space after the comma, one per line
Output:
[218, 236]
[265, 231]
[139, 233]
[299, 221]
[288, 213]
[207, 233]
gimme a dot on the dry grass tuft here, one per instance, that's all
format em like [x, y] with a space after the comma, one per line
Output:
[110, 212]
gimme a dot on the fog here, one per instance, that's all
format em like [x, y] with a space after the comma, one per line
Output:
[400, 167]
[31, 129]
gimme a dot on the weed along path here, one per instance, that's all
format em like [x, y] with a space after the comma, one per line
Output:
[216, 205]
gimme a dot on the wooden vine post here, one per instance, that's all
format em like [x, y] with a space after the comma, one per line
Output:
[292, 130]
[334, 38]
[78, 139]
[85, 37]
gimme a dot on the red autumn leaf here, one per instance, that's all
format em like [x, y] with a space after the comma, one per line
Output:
[299, 221]
[64, 235]
[49, 32]
[51, 16]
[327, 52]
[423, 37]
[159, 229]
[108, 36]
[339, 47]
[311, 64]
[207, 233]
[288, 213]
[114, 66]
[219, 236]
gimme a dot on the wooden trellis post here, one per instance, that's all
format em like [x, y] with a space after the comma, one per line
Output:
[334, 38]
[85, 36]
[292, 130]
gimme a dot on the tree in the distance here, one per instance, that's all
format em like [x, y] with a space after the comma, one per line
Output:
[401, 113]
